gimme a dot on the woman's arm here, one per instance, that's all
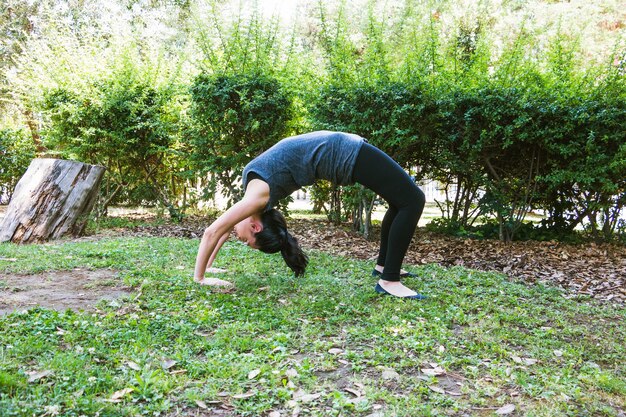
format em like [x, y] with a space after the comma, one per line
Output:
[214, 254]
[254, 201]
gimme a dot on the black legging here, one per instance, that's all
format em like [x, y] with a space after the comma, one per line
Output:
[375, 170]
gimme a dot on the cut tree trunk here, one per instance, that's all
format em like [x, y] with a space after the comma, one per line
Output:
[52, 199]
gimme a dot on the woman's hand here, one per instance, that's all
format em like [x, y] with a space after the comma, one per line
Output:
[214, 270]
[214, 282]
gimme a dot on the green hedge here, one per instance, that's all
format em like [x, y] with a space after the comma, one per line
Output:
[233, 119]
[507, 150]
[507, 121]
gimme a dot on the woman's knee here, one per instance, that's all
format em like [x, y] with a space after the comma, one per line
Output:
[417, 198]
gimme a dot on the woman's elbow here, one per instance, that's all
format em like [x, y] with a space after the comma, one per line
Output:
[209, 233]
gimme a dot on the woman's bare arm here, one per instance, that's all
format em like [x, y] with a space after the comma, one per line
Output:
[220, 243]
[254, 201]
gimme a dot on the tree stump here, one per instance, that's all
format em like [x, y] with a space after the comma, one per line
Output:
[52, 199]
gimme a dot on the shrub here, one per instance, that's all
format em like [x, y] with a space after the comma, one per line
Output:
[16, 153]
[234, 118]
[125, 124]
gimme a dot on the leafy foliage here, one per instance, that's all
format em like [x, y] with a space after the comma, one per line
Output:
[507, 120]
[235, 118]
[16, 152]
[127, 125]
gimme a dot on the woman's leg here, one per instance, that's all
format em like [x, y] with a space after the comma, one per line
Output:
[377, 171]
[385, 227]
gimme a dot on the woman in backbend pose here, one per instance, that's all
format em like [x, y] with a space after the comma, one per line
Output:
[292, 163]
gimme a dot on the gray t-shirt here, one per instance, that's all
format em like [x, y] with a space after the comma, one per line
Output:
[299, 160]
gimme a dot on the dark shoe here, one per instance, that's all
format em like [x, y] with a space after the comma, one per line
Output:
[381, 290]
[376, 273]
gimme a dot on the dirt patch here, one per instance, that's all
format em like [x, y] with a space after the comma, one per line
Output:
[79, 289]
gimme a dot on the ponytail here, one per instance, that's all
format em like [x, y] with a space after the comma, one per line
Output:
[275, 238]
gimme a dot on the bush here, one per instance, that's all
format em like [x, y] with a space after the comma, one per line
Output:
[234, 118]
[586, 179]
[127, 125]
[391, 116]
[16, 153]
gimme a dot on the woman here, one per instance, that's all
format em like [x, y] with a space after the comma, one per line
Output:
[292, 163]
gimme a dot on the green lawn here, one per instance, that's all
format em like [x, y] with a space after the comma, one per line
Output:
[325, 344]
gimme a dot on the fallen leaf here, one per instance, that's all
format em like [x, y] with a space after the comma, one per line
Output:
[202, 404]
[217, 284]
[245, 395]
[335, 351]
[434, 372]
[524, 361]
[168, 363]
[52, 410]
[254, 374]
[132, 365]
[118, 395]
[353, 392]
[35, 376]
[390, 374]
[178, 371]
[307, 398]
[437, 389]
[504, 410]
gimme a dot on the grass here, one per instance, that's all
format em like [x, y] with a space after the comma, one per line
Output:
[324, 344]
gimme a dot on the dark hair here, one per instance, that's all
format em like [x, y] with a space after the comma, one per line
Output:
[274, 238]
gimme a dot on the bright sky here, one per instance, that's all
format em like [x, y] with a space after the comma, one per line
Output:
[286, 10]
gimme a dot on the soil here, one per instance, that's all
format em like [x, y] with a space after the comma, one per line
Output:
[79, 289]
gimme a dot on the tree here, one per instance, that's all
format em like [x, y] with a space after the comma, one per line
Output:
[53, 198]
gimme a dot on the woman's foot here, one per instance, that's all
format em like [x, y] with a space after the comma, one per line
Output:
[378, 271]
[397, 289]
[214, 282]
